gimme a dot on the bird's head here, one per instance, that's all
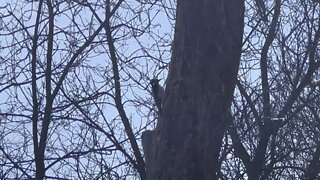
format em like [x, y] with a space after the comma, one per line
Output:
[154, 81]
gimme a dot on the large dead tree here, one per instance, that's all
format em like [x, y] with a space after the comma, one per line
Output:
[200, 86]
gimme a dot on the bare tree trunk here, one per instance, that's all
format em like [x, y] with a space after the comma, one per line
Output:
[206, 56]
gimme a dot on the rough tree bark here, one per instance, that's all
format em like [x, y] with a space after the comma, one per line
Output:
[202, 76]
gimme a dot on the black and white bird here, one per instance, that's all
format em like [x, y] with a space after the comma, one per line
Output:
[157, 93]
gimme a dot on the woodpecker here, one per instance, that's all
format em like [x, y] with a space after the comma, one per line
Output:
[157, 93]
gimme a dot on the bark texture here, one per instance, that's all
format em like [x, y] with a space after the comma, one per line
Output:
[200, 86]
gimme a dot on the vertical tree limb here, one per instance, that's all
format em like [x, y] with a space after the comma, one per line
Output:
[35, 110]
[118, 100]
[265, 131]
[40, 167]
